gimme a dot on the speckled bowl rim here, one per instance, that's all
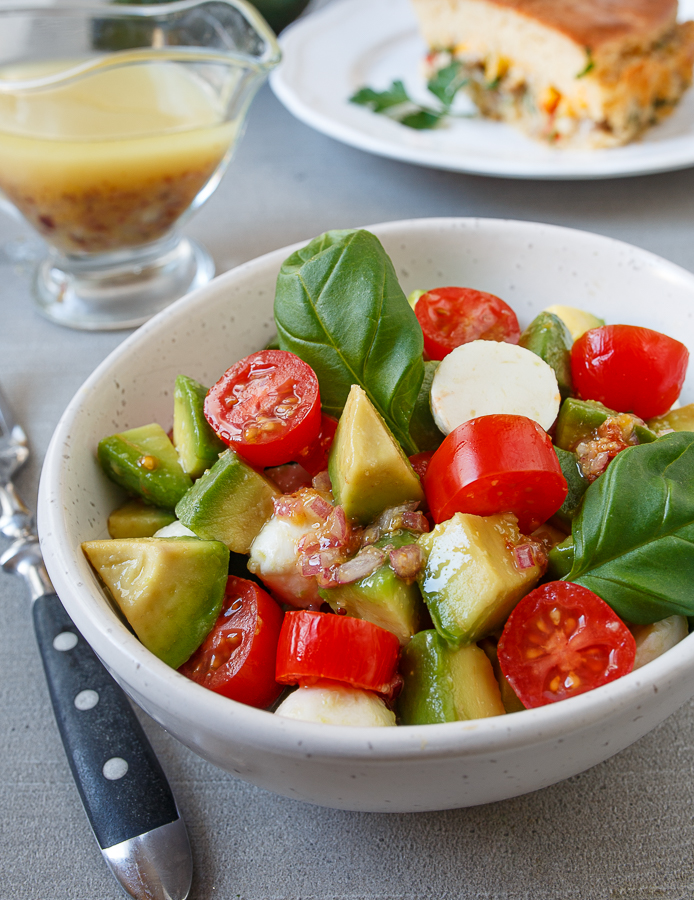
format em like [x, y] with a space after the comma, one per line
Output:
[145, 675]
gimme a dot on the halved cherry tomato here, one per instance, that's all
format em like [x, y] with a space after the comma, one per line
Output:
[316, 645]
[267, 407]
[629, 368]
[451, 316]
[314, 458]
[562, 640]
[496, 464]
[237, 658]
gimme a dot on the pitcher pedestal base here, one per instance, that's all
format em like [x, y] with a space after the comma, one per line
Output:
[116, 293]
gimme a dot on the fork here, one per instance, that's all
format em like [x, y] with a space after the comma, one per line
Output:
[124, 790]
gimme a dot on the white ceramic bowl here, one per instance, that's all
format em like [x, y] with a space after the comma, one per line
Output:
[390, 769]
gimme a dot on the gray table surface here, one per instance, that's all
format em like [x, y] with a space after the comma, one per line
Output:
[624, 829]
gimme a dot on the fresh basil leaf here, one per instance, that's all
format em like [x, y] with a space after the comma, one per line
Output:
[577, 485]
[340, 308]
[447, 82]
[634, 534]
[378, 101]
[423, 429]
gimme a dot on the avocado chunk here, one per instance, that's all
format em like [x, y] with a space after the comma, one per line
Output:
[548, 337]
[579, 421]
[578, 321]
[675, 420]
[423, 429]
[169, 589]
[135, 519]
[197, 445]
[144, 462]
[577, 485]
[367, 467]
[446, 684]
[472, 579]
[561, 559]
[382, 598]
[508, 696]
[230, 503]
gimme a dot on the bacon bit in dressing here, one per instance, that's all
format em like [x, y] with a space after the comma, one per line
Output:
[614, 435]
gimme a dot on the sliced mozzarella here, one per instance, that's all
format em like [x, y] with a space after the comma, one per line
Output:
[336, 705]
[175, 529]
[653, 640]
[275, 560]
[484, 378]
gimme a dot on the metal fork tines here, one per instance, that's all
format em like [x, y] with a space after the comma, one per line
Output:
[16, 521]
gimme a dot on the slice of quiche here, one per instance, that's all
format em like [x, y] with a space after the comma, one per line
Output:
[574, 73]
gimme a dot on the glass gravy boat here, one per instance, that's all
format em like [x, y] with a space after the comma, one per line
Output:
[116, 124]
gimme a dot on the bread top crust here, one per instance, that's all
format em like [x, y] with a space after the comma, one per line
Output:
[591, 23]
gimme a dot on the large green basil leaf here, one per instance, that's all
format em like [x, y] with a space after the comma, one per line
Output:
[634, 535]
[423, 429]
[340, 308]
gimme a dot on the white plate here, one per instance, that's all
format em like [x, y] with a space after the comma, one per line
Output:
[356, 43]
[378, 769]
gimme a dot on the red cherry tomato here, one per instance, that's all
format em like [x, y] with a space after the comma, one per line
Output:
[314, 458]
[316, 645]
[267, 407]
[630, 369]
[420, 462]
[237, 658]
[562, 640]
[451, 316]
[496, 464]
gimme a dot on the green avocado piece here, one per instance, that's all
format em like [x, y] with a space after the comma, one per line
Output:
[471, 580]
[423, 429]
[197, 445]
[578, 321]
[382, 598]
[169, 589]
[578, 421]
[446, 684]
[676, 420]
[561, 559]
[509, 697]
[577, 484]
[135, 519]
[548, 337]
[230, 503]
[145, 463]
[368, 470]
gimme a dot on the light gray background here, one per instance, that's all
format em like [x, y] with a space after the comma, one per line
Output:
[622, 830]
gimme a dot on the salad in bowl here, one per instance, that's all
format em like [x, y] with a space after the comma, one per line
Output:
[446, 512]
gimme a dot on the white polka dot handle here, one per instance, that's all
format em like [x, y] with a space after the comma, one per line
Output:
[124, 790]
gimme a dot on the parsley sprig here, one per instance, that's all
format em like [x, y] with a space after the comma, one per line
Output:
[397, 104]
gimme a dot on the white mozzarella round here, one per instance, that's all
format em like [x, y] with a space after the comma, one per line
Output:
[486, 378]
[336, 705]
[175, 529]
[275, 560]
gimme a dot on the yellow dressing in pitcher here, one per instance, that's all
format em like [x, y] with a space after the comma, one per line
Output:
[113, 158]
